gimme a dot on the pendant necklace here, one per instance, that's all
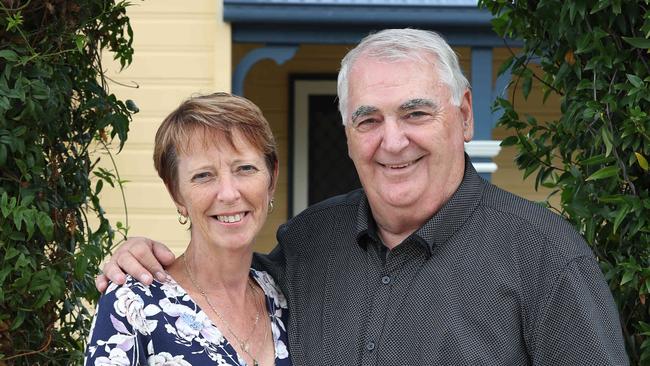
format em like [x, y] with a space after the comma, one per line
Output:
[243, 344]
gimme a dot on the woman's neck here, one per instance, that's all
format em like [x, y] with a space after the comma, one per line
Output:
[216, 270]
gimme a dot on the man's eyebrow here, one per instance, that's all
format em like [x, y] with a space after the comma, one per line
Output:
[416, 103]
[363, 110]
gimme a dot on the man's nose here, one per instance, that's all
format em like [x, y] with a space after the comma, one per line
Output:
[228, 189]
[394, 138]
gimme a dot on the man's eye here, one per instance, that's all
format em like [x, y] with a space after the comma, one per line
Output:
[366, 124]
[416, 114]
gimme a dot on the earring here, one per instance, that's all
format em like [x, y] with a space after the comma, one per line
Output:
[182, 219]
[271, 207]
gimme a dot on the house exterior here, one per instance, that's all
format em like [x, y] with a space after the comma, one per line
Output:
[284, 56]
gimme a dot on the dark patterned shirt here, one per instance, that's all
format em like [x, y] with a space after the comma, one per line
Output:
[490, 279]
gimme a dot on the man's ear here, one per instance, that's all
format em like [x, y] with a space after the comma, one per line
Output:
[467, 115]
[347, 137]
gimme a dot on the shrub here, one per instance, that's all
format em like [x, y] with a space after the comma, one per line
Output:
[55, 112]
[594, 55]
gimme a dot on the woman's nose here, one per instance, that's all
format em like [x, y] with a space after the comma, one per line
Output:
[228, 190]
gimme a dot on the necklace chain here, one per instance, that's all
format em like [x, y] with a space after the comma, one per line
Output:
[243, 344]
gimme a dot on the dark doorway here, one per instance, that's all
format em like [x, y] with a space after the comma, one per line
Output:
[320, 164]
[331, 172]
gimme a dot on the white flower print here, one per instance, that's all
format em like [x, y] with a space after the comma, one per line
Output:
[172, 289]
[190, 324]
[281, 350]
[131, 306]
[166, 359]
[270, 288]
[115, 357]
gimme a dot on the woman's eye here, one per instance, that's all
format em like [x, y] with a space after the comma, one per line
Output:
[201, 176]
[248, 168]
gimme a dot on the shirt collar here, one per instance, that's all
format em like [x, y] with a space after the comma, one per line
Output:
[439, 228]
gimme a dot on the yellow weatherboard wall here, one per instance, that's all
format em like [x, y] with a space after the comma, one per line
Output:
[181, 48]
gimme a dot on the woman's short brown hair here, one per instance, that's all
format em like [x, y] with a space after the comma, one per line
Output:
[214, 116]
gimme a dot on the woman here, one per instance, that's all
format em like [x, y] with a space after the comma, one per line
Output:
[216, 155]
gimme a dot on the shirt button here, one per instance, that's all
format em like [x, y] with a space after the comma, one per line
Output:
[370, 346]
[385, 280]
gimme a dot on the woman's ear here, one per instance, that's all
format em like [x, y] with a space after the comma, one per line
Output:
[180, 207]
[274, 178]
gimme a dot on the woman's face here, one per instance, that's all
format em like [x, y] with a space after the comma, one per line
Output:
[224, 191]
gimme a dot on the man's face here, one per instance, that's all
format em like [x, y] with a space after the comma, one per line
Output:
[404, 134]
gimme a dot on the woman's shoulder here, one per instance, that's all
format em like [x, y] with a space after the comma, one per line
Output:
[153, 292]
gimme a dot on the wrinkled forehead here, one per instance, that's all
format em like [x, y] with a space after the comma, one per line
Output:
[200, 137]
[428, 83]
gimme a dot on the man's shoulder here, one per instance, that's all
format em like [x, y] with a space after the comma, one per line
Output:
[534, 220]
[323, 214]
[342, 202]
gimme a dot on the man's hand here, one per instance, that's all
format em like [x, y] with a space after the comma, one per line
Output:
[139, 257]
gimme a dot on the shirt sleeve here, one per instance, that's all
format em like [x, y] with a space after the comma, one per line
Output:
[112, 339]
[580, 324]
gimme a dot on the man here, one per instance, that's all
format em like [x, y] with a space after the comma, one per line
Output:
[428, 264]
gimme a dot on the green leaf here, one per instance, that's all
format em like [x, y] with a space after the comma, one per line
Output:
[42, 299]
[4, 205]
[594, 160]
[18, 321]
[9, 55]
[527, 84]
[45, 225]
[607, 139]
[606, 172]
[627, 277]
[98, 186]
[635, 80]
[509, 141]
[602, 4]
[620, 216]
[643, 163]
[638, 42]
[80, 42]
[30, 223]
[611, 199]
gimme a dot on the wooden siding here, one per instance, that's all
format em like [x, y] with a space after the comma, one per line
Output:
[181, 48]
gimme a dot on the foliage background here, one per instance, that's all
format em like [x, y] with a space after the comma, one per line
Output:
[595, 55]
[55, 113]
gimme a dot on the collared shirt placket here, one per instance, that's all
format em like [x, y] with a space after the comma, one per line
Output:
[389, 280]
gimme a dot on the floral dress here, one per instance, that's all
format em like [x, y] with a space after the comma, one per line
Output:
[161, 325]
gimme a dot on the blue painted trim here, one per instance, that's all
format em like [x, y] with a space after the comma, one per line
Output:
[279, 54]
[431, 3]
[482, 92]
[298, 34]
[355, 15]
[482, 96]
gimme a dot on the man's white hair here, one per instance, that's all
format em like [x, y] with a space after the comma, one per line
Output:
[401, 44]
